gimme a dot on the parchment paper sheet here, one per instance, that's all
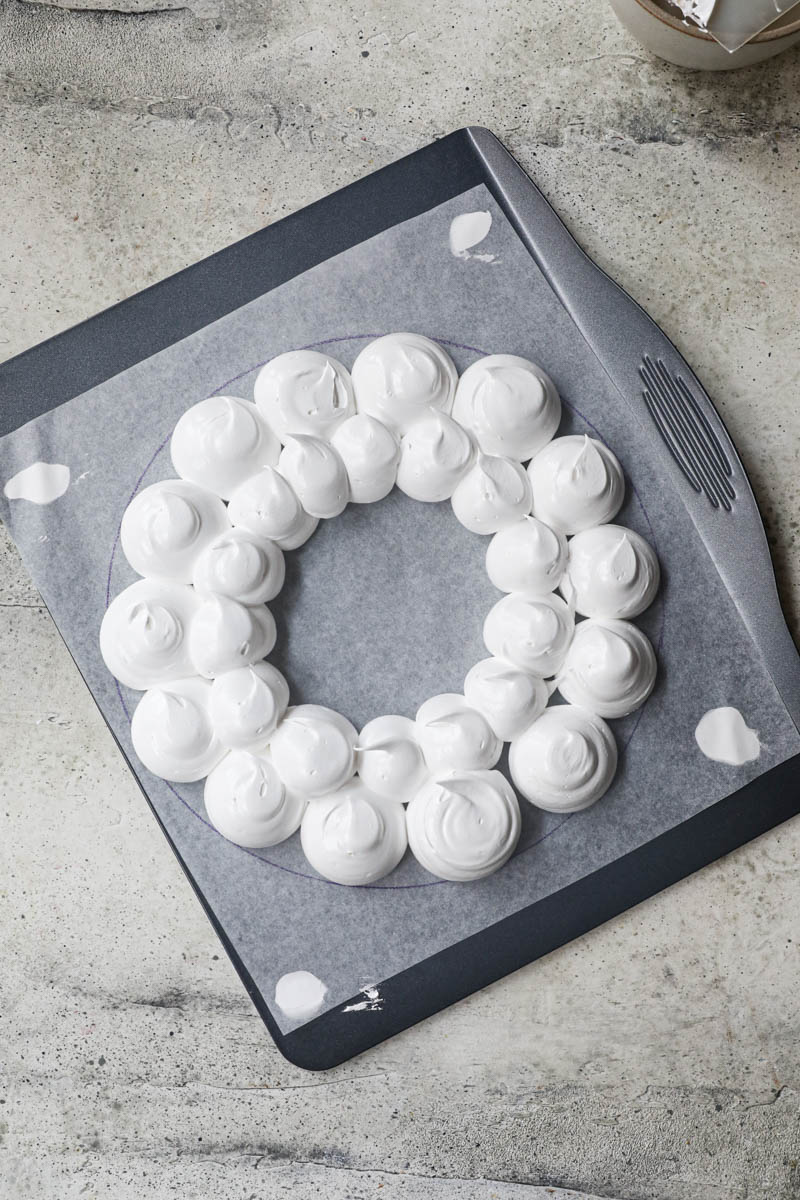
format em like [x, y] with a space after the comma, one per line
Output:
[384, 606]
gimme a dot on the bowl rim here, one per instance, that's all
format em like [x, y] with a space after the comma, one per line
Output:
[767, 35]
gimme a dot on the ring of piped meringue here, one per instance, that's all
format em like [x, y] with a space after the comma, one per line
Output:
[193, 633]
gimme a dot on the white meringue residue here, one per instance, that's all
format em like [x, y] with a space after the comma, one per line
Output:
[221, 441]
[317, 474]
[300, 995]
[241, 565]
[532, 632]
[468, 230]
[313, 749]
[494, 493]
[510, 406]
[565, 760]
[528, 557]
[454, 736]
[224, 634]
[610, 668]
[399, 377]
[612, 572]
[40, 483]
[370, 453]
[353, 836]
[247, 803]
[304, 392]
[465, 825]
[246, 705]
[724, 736]
[172, 734]
[435, 453]
[389, 758]
[577, 482]
[143, 634]
[167, 526]
[510, 699]
[267, 504]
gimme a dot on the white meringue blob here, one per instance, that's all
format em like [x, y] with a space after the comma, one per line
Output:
[510, 406]
[724, 736]
[166, 526]
[246, 705]
[610, 668]
[454, 736]
[565, 760]
[313, 750]
[220, 441]
[317, 474]
[528, 557]
[172, 734]
[397, 378]
[242, 565]
[353, 836]
[248, 804]
[577, 483]
[143, 633]
[370, 453]
[611, 572]
[494, 493]
[465, 825]
[533, 632]
[304, 392]
[225, 634]
[266, 504]
[509, 699]
[435, 453]
[389, 758]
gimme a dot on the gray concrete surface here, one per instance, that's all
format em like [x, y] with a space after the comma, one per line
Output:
[657, 1058]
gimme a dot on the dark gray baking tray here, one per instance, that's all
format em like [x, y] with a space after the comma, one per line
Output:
[688, 447]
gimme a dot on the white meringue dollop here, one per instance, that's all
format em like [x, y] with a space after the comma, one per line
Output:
[389, 758]
[528, 557]
[248, 804]
[143, 634]
[435, 453]
[267, 504]
[565, 760]
[354, 836]
[166, 527]
[611, 572]
[225, 634]
[397, 378]
[510, 406]
[246, 705]
[313, 750]
[317, 474]
[510, 699]
[220, 441]
[304, 392]
[577, 483]
[241, 565]
[533, 632]
[494, 494]
[172, 733]
[610, 668]
[454, 736]
[465, 825]
[370, 453]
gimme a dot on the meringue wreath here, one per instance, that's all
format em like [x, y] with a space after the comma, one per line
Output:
[255, 479]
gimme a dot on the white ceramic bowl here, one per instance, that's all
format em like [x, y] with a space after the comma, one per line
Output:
[670, 38]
